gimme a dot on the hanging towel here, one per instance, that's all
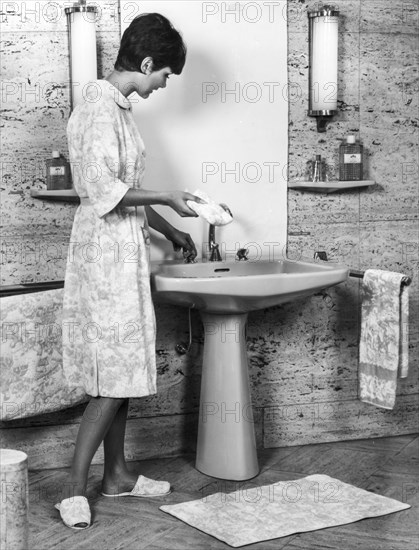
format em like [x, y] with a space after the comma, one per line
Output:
[383, 349]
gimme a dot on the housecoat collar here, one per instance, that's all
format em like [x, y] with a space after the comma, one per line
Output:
[117, 96]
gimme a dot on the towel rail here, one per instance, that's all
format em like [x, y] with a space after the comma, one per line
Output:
[29, 288]
[356, 273]
[359, 274]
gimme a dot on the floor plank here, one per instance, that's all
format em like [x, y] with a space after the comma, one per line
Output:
[386, 466]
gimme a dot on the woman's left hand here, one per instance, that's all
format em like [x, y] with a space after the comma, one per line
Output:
[184, 241]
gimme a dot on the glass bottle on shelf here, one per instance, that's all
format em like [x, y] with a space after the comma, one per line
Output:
[317, 170]
[58, 172]
[351, 160]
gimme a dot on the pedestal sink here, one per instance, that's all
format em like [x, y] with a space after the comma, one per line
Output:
[225, 292]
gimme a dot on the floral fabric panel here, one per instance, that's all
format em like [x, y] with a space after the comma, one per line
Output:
[383, 349]
[32, 377]
[109, 345]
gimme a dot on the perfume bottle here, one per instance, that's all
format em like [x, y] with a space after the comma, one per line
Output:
[58, 172]
[351, 160]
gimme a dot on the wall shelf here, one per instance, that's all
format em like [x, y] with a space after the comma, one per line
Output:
[329, 186]
[64, 195]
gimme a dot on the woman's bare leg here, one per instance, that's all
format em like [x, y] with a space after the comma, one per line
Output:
[97, 419]
[113, 444]
[116, 477]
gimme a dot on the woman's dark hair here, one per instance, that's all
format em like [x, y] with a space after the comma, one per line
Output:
[151, 35]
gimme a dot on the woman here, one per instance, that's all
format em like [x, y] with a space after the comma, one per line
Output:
[109, 338]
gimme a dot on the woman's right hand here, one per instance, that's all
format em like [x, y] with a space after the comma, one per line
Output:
[177, 201]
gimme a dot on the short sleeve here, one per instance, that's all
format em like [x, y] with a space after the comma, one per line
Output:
[101, 157]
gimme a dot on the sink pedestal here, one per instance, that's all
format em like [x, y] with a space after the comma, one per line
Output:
[224, 292]
[226, 446]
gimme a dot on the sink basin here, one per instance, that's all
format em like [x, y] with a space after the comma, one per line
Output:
[240, 287]
[225, 292]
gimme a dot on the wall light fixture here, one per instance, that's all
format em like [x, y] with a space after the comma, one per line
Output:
[323, 64]
[81, 21]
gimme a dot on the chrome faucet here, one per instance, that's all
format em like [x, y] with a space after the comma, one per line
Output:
[214, 248]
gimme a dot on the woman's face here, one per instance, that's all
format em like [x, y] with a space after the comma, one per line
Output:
[154, 80]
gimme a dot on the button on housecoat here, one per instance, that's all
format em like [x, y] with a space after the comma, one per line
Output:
[108, 315]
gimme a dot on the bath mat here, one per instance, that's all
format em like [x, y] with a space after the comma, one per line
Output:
[257, 513]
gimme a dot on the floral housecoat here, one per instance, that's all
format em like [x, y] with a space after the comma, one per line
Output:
[108, 315]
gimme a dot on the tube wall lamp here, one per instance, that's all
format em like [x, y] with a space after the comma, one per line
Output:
[82, 42]
[323, 64]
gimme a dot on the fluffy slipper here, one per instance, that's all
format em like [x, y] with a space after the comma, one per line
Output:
[75, 512]
[145, 487]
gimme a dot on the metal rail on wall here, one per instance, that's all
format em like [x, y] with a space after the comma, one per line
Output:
[359, 274]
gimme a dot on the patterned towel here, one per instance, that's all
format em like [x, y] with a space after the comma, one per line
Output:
[383, 349]
[32, 377]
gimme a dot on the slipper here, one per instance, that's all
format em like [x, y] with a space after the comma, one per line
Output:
[75, 512]
[145, 487]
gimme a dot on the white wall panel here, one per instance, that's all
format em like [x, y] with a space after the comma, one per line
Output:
[221, 125]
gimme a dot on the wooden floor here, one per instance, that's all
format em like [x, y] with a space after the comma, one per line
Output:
[387, 466]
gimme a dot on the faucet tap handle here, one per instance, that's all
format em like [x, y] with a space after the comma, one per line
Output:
[321, 255]
[242, 254]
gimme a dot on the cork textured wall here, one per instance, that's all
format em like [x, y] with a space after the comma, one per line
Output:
[303, 356]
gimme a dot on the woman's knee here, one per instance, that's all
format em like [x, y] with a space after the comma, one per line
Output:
[100, 405]
[113, 402]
